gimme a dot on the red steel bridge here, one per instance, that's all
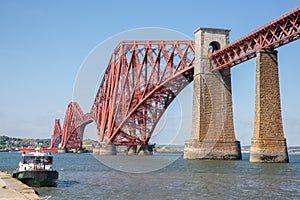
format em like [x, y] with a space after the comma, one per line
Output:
[144, 77]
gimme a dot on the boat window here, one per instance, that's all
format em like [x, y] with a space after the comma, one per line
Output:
[38, 160]
[48, 160]
[27, 159]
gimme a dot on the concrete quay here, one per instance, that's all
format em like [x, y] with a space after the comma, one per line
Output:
[12, 188]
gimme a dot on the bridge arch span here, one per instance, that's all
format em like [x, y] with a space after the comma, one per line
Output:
[73, 128]
[140, 82]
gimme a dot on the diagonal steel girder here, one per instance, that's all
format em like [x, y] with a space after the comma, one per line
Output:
[142, 79]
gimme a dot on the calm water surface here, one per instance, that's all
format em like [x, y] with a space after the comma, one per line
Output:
[82, 176]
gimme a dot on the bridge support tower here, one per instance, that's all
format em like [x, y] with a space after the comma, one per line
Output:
[268, 143]
[212, 135]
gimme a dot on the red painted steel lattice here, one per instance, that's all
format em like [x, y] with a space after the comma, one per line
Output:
[74, 124]
[279, 32]
[56, 135]
[142, 79]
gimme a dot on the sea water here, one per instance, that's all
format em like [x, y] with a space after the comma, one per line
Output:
[83, 176]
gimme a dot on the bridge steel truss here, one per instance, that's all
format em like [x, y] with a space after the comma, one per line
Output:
[278, 32]
[74, 125]
[140, 82]
[56, 135]
[143, 78]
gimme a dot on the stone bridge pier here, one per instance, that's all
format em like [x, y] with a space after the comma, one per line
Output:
[268, 143]
[212, 135]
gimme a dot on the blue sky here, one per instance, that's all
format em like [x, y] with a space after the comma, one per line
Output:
[44, 43]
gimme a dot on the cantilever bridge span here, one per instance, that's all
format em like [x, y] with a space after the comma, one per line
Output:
[143, 78]
[140, 82]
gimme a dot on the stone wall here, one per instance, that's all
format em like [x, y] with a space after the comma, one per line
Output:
[268, 121]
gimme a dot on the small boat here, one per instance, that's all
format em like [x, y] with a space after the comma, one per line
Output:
[35, 168]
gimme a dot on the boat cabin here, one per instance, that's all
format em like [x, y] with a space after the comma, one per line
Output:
[35, 161]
